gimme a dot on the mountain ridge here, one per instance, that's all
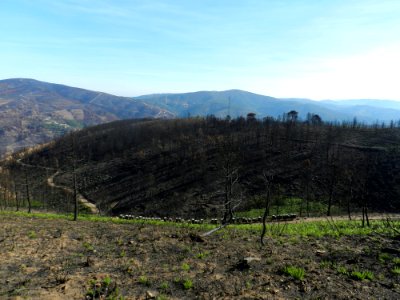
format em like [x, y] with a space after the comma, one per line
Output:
[236, 103]
[33, 112]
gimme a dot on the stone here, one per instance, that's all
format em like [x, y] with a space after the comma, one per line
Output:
[151, 295]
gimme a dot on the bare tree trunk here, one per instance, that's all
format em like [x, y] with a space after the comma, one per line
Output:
[28, 192]
[348, 208]
[16, 195]
[363, 216]
[366, 215]
[75, 199]
[268, 185]
[328, 212]
[265, 215]
[75, 196]
[349, 199]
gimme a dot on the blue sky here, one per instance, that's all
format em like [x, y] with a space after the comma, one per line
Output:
[322, 49]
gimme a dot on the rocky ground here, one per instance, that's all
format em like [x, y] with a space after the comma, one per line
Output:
[61, 259]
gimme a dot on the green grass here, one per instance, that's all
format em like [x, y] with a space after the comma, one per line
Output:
[144, 280]
[202, 255]
[295, 272]
[396, 261]
[32, 235]
[326, 264]
[383, 257]
[362, 275]
[396, 270]
[315, 228]
[187, 284]
[164, 286]
[88, 246]
[185, 267]
[342, 270]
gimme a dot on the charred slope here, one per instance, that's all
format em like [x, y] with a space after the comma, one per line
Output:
[188, 167]
[33, 112]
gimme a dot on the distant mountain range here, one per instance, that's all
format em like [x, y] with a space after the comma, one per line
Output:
[239, 103]
[33, 112]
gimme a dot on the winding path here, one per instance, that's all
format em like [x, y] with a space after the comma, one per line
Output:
[85, 202]
[50, 182]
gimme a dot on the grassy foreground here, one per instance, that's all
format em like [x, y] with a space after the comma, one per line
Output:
[47, 256]
[326, 227]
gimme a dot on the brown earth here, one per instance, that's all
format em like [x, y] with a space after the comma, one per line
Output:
[61, 259]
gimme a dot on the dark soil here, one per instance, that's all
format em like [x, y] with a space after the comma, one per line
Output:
[60, 259]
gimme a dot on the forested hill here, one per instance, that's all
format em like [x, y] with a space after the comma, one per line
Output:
[189, 167]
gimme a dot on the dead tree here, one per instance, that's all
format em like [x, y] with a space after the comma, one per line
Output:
[74, 183]
[16, 196]
[231, 180]
[268, 181]
[27, 190]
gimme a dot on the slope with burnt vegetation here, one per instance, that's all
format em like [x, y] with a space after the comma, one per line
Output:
[198, 167]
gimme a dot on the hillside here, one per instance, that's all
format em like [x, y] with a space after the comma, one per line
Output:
[34, 112]
[239, 103]
[191, 167]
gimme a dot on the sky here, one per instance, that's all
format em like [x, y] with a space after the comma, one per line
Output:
[325, 49]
